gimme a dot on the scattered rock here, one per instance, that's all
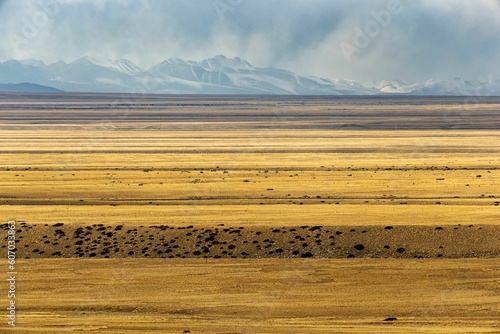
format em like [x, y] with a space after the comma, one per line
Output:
[359, 247]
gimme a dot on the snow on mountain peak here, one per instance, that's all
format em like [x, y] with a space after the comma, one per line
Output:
[119, 65]
[125, 66]
[216, 75]
[175, 61]
[83, 60]
[220, 62]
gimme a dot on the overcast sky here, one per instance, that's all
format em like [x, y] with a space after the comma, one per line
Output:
[410, 39]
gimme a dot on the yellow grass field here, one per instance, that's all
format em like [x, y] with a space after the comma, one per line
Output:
[251, 162]
[418, 184]
[258, 296]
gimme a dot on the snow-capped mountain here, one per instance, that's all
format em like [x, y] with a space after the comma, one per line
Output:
[217, 75]
[458, 86]
[120, 65]
[455, 87]
[394, 86]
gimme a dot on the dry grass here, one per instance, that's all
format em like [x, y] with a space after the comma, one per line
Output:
[247, 215]
[102, 176]
[86, 160]
[259, 296]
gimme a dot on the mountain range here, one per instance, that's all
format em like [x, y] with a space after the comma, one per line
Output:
[27, 87]
[217, 75]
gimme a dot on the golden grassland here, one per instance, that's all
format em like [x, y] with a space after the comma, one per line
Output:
[258, 296]
[127, 177]
[221, 161]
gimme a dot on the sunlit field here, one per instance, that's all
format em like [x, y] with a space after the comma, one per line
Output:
[252, 214]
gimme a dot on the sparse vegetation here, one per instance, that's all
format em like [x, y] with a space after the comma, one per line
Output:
[201, 211]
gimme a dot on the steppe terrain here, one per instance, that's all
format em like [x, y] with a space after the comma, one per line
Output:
[238, 214]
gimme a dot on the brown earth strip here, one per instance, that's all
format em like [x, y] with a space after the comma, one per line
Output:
[162, 241]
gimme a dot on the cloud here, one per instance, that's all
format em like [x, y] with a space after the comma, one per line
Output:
[441, 39]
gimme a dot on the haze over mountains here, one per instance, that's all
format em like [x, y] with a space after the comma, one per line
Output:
[27, 87]
[217, 75]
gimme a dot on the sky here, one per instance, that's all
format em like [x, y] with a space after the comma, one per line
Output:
[410, 40]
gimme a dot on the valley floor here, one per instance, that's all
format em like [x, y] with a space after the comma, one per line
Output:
[222, 214]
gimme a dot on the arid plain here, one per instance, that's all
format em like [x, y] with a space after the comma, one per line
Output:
[260, 214]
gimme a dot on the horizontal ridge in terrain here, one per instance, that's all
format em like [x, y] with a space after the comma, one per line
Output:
[162, 241]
